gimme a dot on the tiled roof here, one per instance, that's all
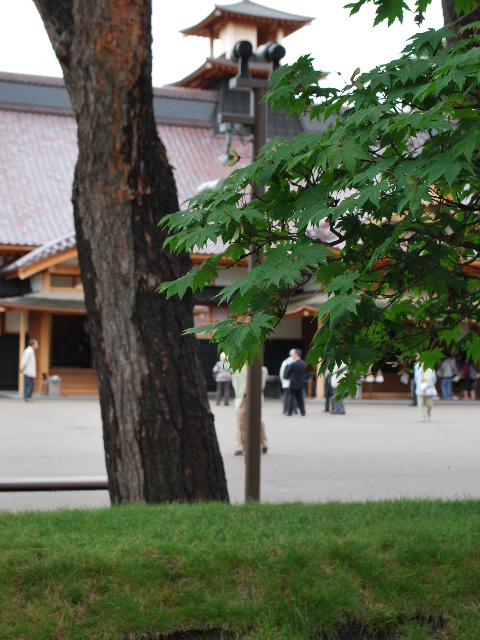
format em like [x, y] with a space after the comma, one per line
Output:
[37, 158]
[38, 151]
[194, 153]
[172, 92]
[52, 248]
[37, 161]
[165, 92]
[22, 78]
[49, 96]
[211, 25]
[248, 8]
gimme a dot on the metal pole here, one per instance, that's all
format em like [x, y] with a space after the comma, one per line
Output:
[254, 379]
[253, 431]
[258, 121]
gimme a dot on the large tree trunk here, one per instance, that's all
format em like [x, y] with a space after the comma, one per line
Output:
[449, 14]
[160, 442]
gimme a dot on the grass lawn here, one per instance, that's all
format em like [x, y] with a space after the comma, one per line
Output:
[405, 569]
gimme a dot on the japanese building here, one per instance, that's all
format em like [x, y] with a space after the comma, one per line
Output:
[41, 292]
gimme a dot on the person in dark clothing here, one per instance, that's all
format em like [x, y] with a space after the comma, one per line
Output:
[329, 392]
[469, 378]
[295, 372]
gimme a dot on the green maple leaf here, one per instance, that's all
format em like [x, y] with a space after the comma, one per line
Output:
[337, 306]
[473, 349]
[464, 6]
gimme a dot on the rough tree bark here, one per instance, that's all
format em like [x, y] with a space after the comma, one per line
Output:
[159, 436]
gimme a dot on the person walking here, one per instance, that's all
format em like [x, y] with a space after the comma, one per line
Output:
[28, 366]
[425, 379]
[448, 370]
[239, 381]
[338, 406]
[223, 377]
[295, 372]
[286, 383]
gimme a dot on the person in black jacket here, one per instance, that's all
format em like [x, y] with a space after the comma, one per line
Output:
[329, 392]
[295, 372]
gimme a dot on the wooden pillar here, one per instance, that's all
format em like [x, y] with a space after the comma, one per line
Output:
[35, 320]
[21, 349]
[43, 359]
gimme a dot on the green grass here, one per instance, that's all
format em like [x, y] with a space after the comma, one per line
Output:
[406, 569]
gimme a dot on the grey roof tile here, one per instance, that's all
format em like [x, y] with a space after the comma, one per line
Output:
[37, 161]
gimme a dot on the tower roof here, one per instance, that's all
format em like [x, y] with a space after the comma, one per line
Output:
[246, 11]
[215, 68]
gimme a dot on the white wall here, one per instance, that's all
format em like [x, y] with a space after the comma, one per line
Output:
[229, 276]
[36, 282]
[12, 322]
[290, 329]
[232, 33]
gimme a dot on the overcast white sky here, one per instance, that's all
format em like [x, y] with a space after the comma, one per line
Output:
[335, 41]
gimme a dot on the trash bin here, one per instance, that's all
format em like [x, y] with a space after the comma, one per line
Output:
[54, 385]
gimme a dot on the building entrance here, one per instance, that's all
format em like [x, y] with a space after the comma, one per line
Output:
[9, 345]
[70, 342]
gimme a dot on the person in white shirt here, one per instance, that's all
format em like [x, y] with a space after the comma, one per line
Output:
[425, 380]
[339, 372]
[285, 382]
[448, 370]
[28, 367]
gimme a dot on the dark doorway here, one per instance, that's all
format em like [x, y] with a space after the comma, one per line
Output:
[9, 345]
[209, 356]
[70, 342]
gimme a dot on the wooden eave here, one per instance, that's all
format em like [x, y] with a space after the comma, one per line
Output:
[216, 69]
[42, 265]
[65, 270]
[304, 311]
[52, 264]
[200, 258]
[17, 248]
[68, 303]
[44, 309]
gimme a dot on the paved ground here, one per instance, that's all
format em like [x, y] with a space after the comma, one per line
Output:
[376, 451]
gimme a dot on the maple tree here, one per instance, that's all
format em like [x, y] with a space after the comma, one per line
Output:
[380, 212]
